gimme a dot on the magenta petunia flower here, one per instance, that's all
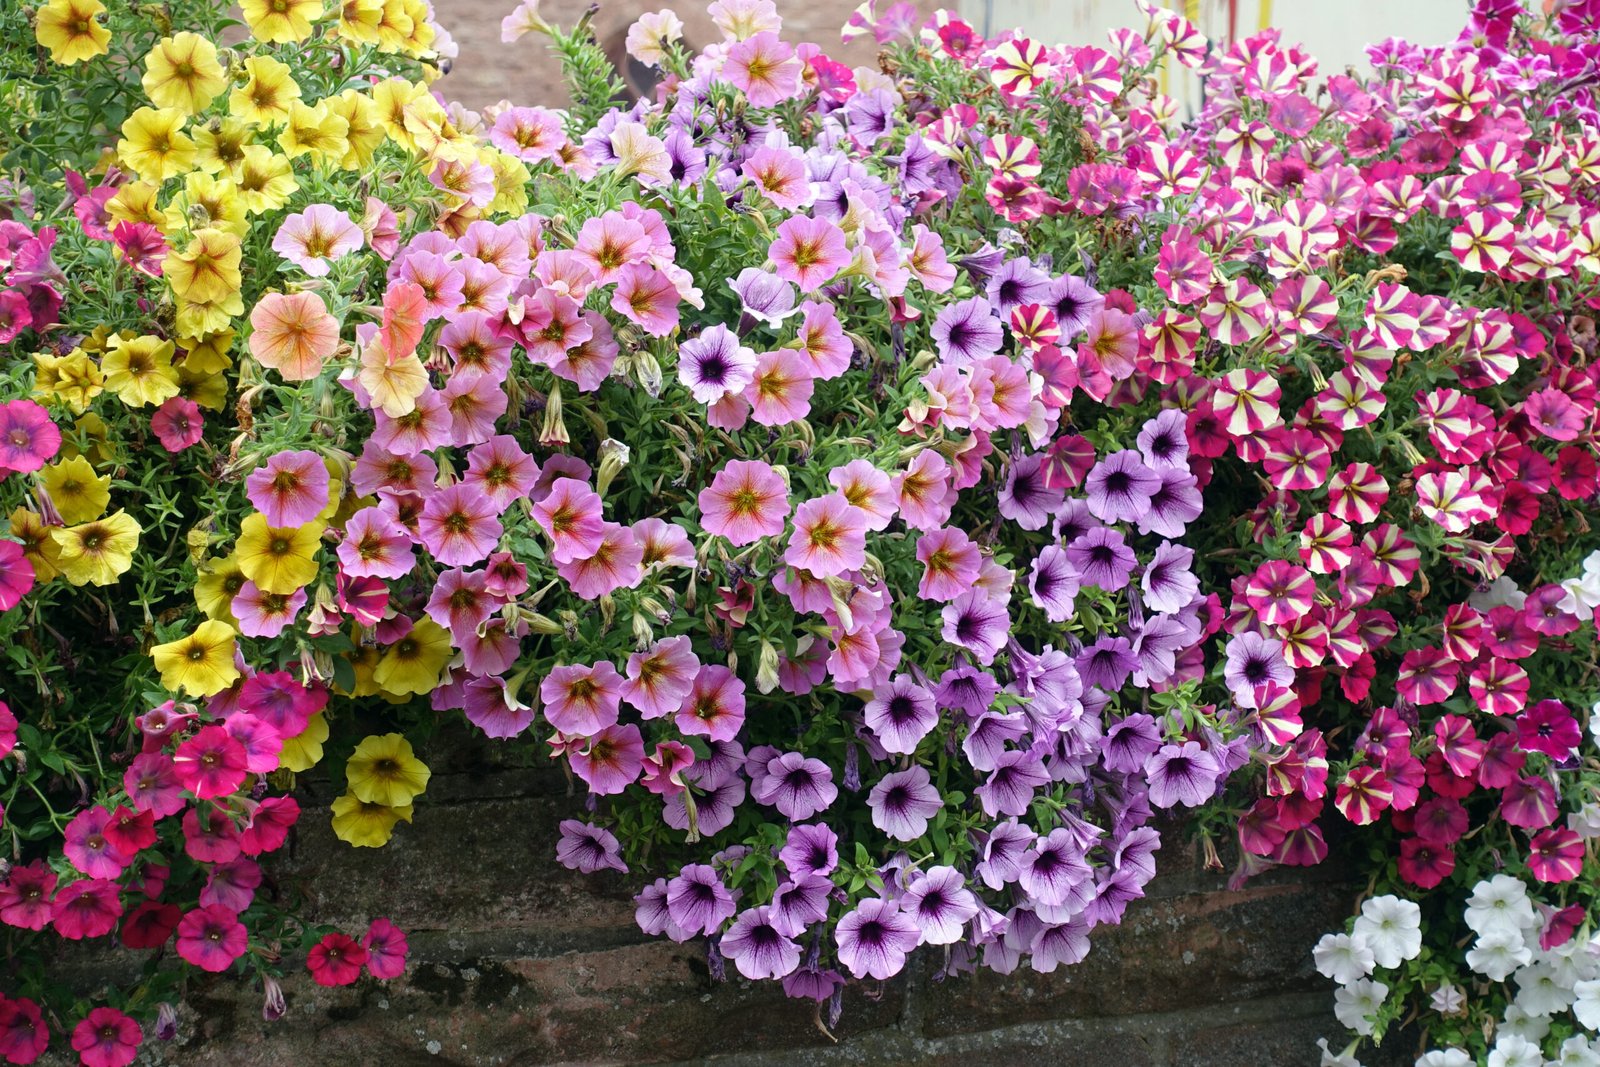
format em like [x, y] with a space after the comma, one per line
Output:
[746, 501]
[875, 939]
[211, 938]
[386, 949]
[660, 678]
[25, 896]
[232, 885]
[105, 1037]
[152, 784]
[902, 803]
[611, 760]
[177, 423]
[211, 763]
[28, 439]
[16, 574]
[571, 515]
[1550, 728]
[290, 489]
[310, 239]
[87, 847]
[582, 700]
[89, 907]
[336, 960]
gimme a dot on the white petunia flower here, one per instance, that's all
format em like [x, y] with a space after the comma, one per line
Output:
[1448, 1000]
[1500, 903]
[1586, 1004]
[1577, 1052]
[1498, 953]
[1500, 591]
[1343, 958]
[1585, 822]
[1357, 1003]
[1513, 1050]
[1539, 992]
[1392, 928]
[1532, 1028]
[1447, 1057]
[1330, 1058]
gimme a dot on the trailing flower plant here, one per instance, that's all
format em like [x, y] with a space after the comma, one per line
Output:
[886, 492]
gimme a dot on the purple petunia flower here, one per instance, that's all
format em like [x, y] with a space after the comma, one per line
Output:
[966, 689]
[1003, 852]
[715, 805]
[1119, 487]
[756, 947]
[1181, 774]
[797, 786]
[1075, 303]
[1168, 583]
[650, 912]
[875, 938]
[1164, 440]
[1054, 867]
[1130, 743]
[1053, 581]
[967, 331]
[1175, 503]
[1108, 662]
[764, 296]
[979, 623]
[1059, 943]
[586, 848]
[715, 365]
[1157, 646]
[1073, 520]
[1102, 558]
[797, 904]
[940, 903]
[900, 714]
[810, 849]
[1009, 787]
[1018, 282]
[697, 901]
[1254, 660]
[902, 803]
[988, 736]
[1025, 499]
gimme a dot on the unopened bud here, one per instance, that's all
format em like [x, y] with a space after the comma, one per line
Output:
[767, 668]
[613, 457]
[273, 1006]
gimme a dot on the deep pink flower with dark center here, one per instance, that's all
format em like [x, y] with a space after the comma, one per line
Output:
[232, 885]
[25, 896]
[211, 763]
[336, 960]
[714, 706]
[212, 937]
[24, 1035]
[1555, 855]
[611, 760]
[105, 1038]
[178, 423]
[386, 949]
[1425, 864]
[86, 908]
[89, 849]
[1529, 803]
[153, 785]
[216, 840]
[1550, 728]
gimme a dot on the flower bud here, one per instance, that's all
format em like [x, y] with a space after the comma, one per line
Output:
[273, 1006]
[553, 431]
[613, 457]
[167, 1022]
[767, 668]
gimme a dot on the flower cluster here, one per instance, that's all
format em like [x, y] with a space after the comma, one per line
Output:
[889, 492]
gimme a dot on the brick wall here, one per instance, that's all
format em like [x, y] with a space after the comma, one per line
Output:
[525, 73]
[516, 961]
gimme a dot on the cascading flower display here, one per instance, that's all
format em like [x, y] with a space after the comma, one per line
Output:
[900, 498]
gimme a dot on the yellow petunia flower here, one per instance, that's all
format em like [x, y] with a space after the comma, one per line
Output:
[139, 370]
[266, 180]
[219, 147]
[359, 21]
[304, 751]
[391, 97]
[412, 664]
[182, 72]
[219, 582]
[135, 202]
[418, 42]
[207, 269]
[207, 353]
[394, 27]
[279, 559]
[315, 131]
[365, 825]
[210, 391]
[77, 492]
[264, 99]
[281, 21]
[511, 180]
[207, 202]
[384, 770]
[38, 547]
[154, 145]
[74, 379]
[99, 552]
[68, 28]
[364, 130]
[392, 385]
[200, 664]
[196, 317]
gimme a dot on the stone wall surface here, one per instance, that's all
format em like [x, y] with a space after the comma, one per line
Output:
[517, 961]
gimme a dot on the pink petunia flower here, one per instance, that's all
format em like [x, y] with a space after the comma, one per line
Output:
[611, 760]
[312, 238]
[28, 439]
[648, 298]
[746, 501]
[808, 252]
[571, 516]
[177, 423]
[211, 938]
[458, 525]
[714, 707]
[765, 68]
[830, 537]
[614, 564]
[582, 700]
[290, 489]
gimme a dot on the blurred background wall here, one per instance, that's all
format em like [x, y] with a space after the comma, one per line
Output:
[1334, 32]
